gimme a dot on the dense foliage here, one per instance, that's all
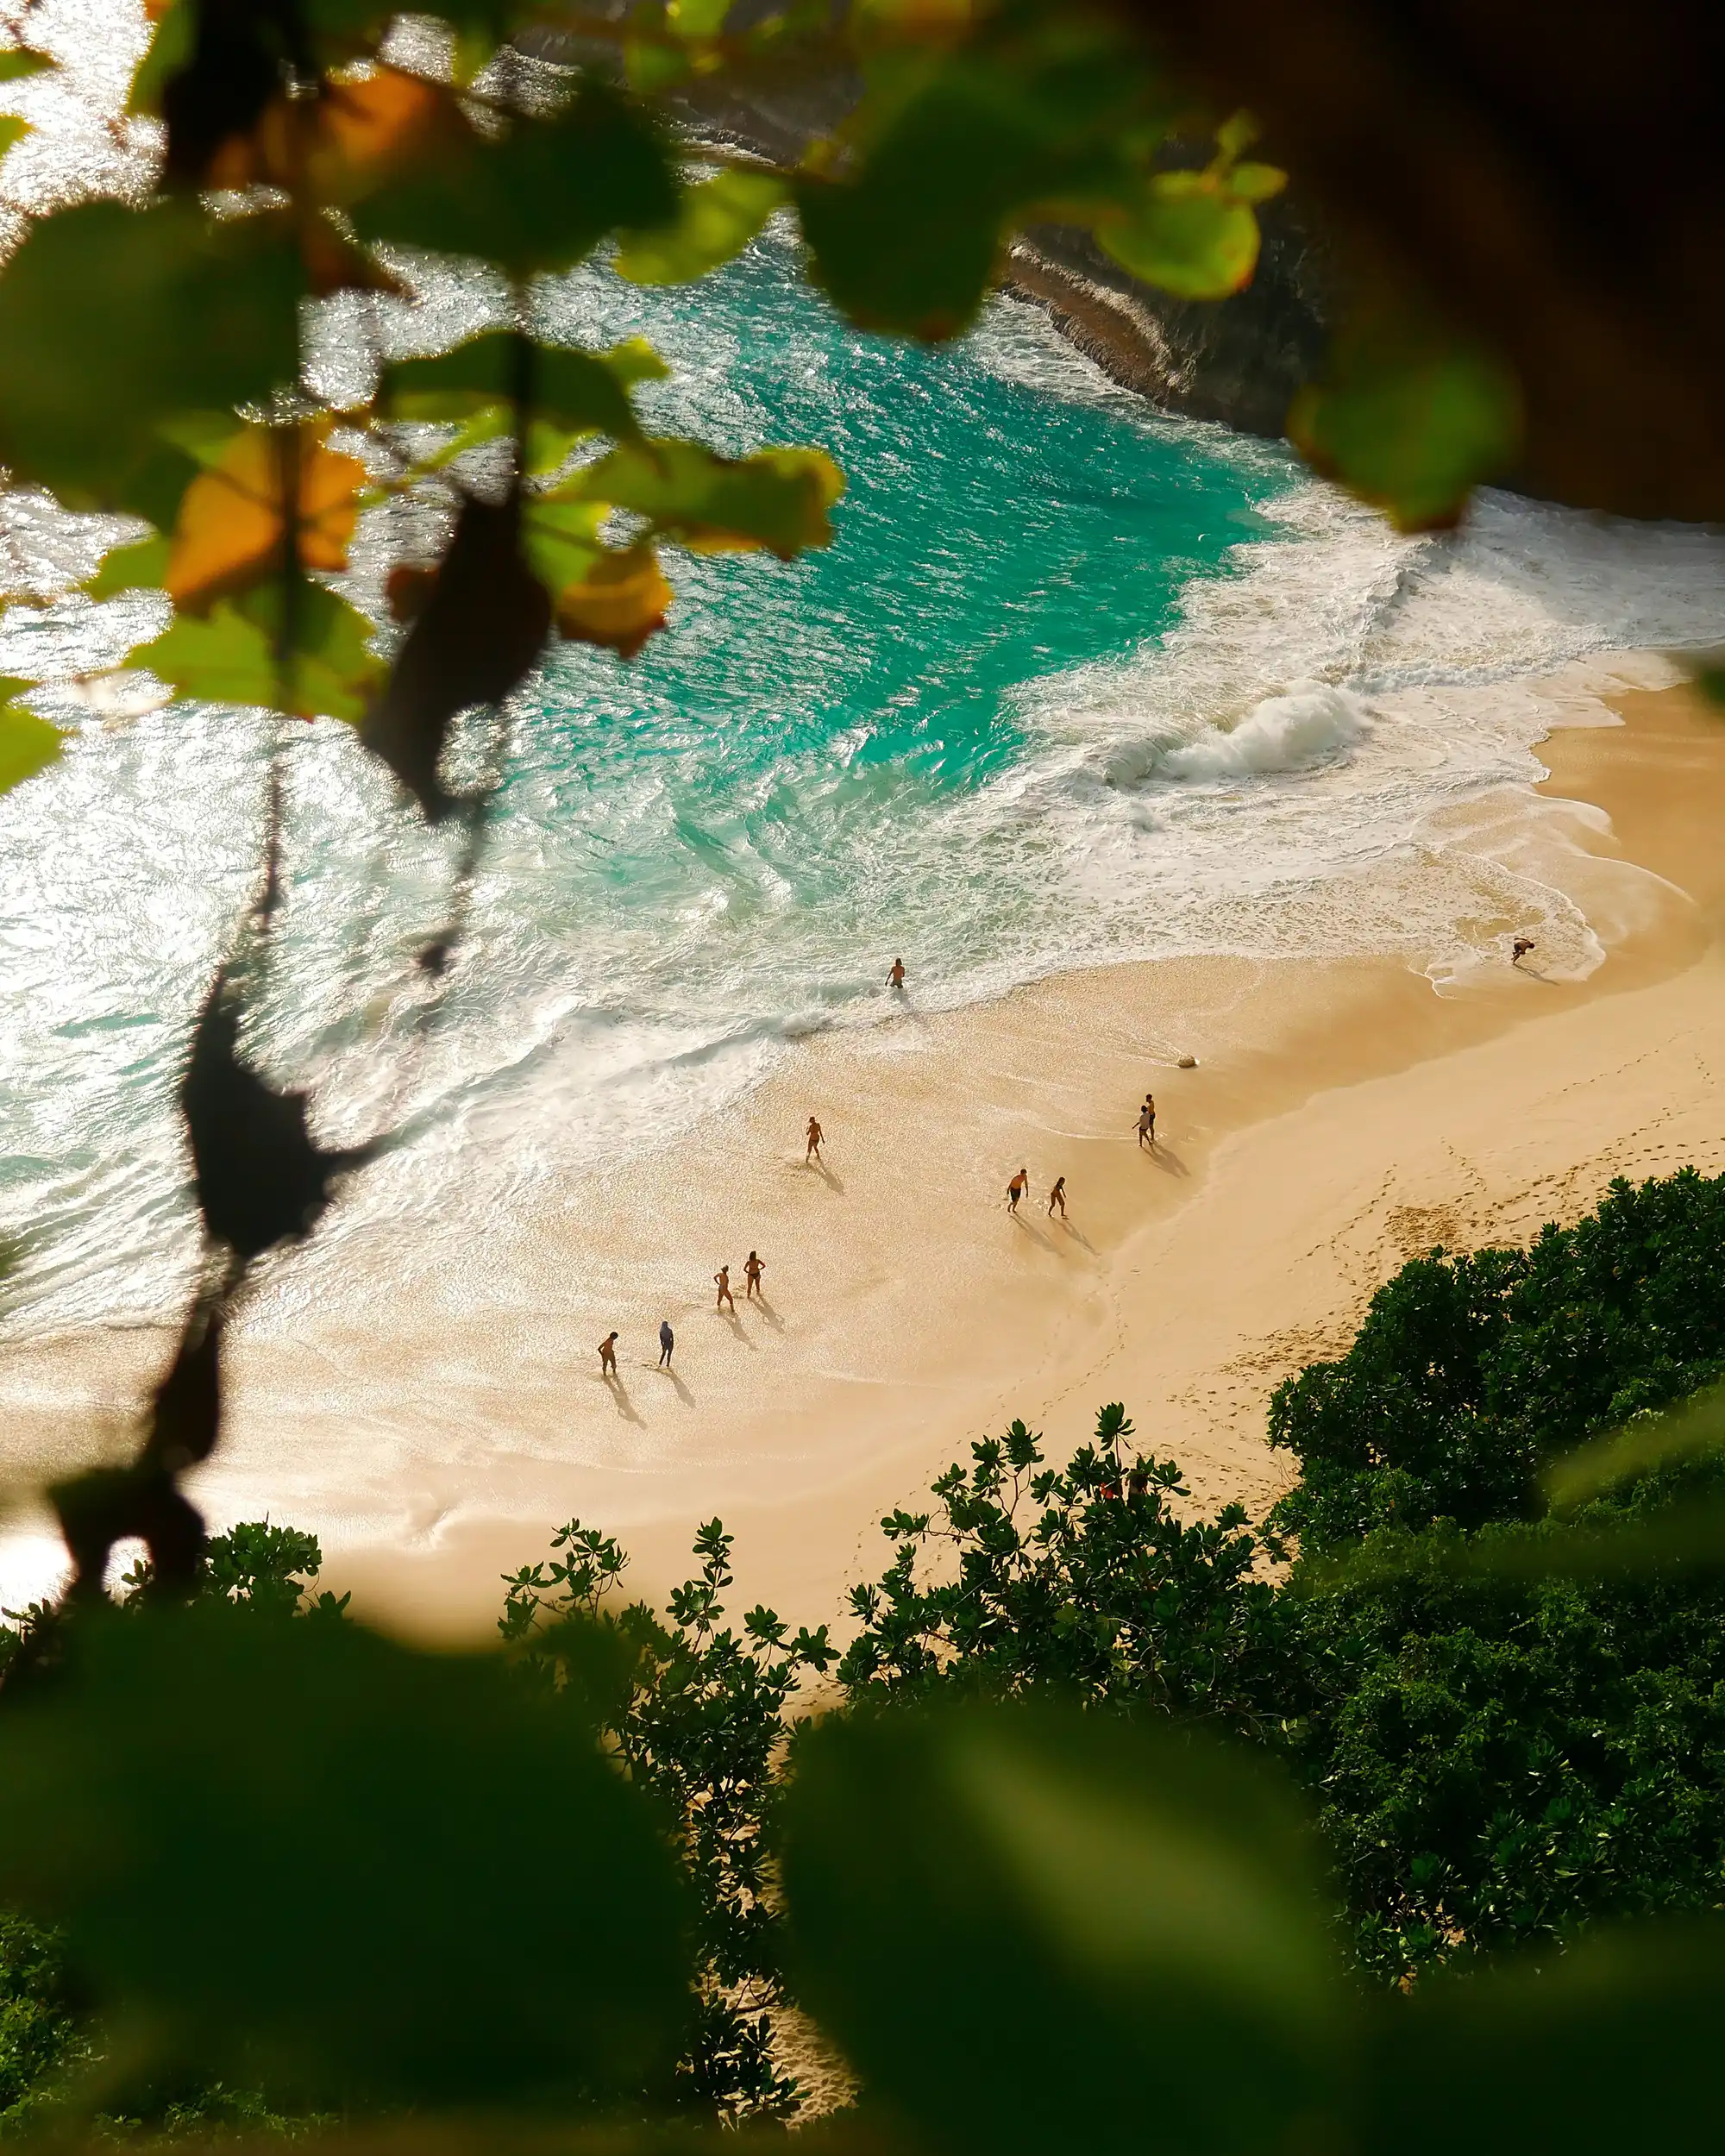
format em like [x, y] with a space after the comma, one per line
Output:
[1025, 1576]
[1503, 1741]
[696, 1714]
[1471, 1374]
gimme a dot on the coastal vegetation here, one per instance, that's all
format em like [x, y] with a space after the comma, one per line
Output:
[1050, 1835]
[1480, 1643]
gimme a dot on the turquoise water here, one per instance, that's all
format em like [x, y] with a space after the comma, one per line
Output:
[1074, 682]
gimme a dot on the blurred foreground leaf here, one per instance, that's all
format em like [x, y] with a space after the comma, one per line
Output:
[231, 655]
[620, 603]
[540, 199]
[717, 219]
[479, 632]
[27, 744]
[1582, 2051]
[295, 1853]
[211, 316]
[1408, 418]
[1032, 1930]
[235, 516]
[777, 498]
[1190, 235]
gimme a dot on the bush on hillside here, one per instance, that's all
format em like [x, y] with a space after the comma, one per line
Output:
[1470, 1373]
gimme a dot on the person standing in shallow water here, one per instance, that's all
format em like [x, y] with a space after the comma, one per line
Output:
[812, 1151]
[722, 1281]
[1016, 1189]
[1146, 1121]
[668, 1340]
[752, 1270]
[607, 1356]
[896, 978]
[1058, 1197]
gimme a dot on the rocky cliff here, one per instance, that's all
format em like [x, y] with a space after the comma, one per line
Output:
[1237, 361]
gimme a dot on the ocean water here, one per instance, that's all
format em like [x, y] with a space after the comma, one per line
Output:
[1075, 683]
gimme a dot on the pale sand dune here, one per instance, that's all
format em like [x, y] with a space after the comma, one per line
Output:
[1342, 1118]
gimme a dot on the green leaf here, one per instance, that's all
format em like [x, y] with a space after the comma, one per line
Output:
[27, 744]
[583, 393]
[957, 1880]
[1566, 2052]
[16, 64]
[295, 1852]
[12, 129]
[1187, 236]
[777, 498]
[717, 220]
[542, 198]
[908, 243]
[560, 540]
[1410, 418]
[132, 568]
[171, 48]
[210, 315]
[697, 18]
[228, 656]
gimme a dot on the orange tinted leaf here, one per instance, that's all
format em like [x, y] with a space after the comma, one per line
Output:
[365, 126]
[359, 130]
[234, 515]
[619, 603]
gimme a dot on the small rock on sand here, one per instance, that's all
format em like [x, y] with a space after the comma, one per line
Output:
[1186, 1062]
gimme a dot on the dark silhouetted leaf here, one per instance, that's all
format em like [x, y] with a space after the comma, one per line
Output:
[259, 1176]
[296, 1852]
[777, 498]
[478, 637]
[119, 1504]
[977, 1894]
[239, 51]
[211, 319]
[717, 219]
[541, 198]
[186, 1414]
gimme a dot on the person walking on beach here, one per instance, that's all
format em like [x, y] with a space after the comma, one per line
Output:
[722, 1277]
[815, 1135]
[607, 1356]
[752, 1270]
[668, 1340]
[1523, 945]
[1146, 1121]
[896, 978]
[1058, 1197]
[1016, 1189]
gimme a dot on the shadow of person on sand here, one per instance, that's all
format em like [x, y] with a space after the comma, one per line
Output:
[1169, 1160]
[677, 1385]
[820, 1169]
[731, 1317]
[761, 1303]
[1031, 1229]
[619, 1393]
[1079, 1236]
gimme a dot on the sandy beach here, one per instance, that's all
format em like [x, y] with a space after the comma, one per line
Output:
[1341, 1117]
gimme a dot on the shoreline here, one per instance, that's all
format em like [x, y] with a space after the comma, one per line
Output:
[1342, 1115]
